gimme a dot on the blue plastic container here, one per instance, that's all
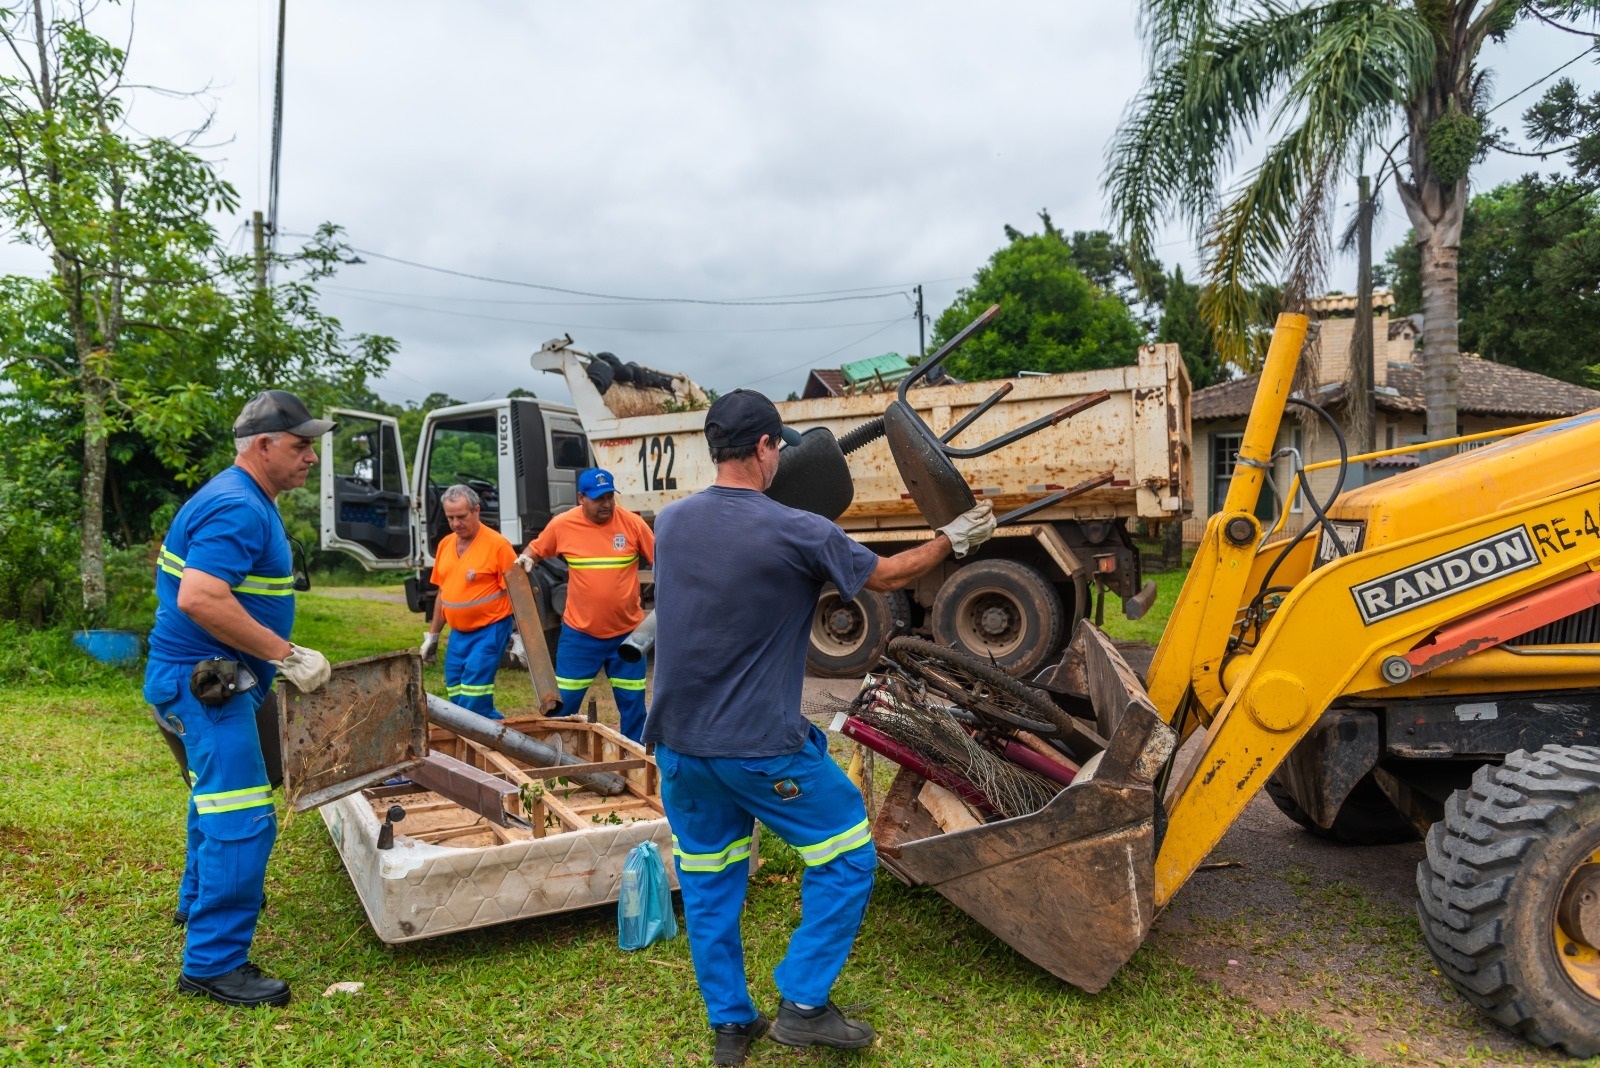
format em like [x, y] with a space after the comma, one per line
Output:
[110, 646]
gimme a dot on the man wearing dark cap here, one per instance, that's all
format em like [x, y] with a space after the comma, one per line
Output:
[737, 581]
[602, 543]
[225, 607]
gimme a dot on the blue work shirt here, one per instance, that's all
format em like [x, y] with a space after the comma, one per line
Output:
[737, 580]
[231, 530]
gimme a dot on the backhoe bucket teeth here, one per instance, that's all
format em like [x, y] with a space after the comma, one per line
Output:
[1071, 886]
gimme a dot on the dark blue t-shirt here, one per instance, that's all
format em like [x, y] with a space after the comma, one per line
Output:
[231, 530]
[737, 579]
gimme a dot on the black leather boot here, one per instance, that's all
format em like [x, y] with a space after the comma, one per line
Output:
[245, 987]
[734, 1040]
[825, 1026]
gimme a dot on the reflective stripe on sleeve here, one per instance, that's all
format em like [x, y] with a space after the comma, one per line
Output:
[232, 800]
[712, 862]
[828, 848]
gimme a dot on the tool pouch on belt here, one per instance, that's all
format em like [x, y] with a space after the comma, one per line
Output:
[219, 680]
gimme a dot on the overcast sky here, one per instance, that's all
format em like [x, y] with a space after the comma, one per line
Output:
[709, 151]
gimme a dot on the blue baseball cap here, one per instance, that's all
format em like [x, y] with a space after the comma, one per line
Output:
[596, 483]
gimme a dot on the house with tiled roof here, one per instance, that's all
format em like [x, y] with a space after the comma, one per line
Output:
[1490, 396]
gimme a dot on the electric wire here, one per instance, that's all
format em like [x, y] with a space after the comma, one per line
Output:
[1253, 612]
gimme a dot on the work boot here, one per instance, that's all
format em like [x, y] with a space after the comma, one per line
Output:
[245, 987]
[734, 1040]
[826, 1026]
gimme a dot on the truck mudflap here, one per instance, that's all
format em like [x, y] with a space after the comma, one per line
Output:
[1071, 886]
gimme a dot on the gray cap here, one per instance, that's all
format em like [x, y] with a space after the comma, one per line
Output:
[273, 411]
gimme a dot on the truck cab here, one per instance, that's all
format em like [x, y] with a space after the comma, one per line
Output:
[521, 455]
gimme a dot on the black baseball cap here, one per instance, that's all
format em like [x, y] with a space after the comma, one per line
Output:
[275, 410]
[742, 417]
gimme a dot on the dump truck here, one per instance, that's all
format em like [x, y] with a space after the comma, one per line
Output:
[1425, 654]
[1120, 454]
[1126, 452]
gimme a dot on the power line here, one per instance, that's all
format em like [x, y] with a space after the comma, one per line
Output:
[1541, 81]
[503, 300]
[623, 329]
[814, 360]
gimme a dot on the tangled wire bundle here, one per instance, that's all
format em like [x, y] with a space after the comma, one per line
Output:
[890, 706]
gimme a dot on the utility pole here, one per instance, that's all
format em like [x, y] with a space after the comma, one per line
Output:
[1363, 345]
[922, 343]
[258, 224]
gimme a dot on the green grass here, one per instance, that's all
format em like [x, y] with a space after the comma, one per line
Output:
[1168, 585]
[91, 834]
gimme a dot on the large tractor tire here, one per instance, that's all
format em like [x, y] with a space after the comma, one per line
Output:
[1510, 895]
[848, 637]
[1002, 612]
[1367, 816]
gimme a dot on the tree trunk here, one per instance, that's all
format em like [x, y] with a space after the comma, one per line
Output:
[1441, 339]
[92, 558]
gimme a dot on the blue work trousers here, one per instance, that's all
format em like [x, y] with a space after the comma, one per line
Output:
[579, 658]
[712, 804]
[471, 661]
[231, 820]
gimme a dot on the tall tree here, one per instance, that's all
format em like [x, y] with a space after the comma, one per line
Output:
[1183, 325]
[1530, 276]
[1053, 319]
[1327, 82]
[158, 326]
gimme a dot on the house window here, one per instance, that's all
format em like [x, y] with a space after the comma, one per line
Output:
[1224, 457]
[1389, 436]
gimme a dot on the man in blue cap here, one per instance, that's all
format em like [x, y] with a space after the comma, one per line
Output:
[224, 609]
[737, 587]
[602, 543]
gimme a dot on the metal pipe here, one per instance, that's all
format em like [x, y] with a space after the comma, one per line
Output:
[1030, 428]
[885, 746]
[502, 739]
[639, 642]
[1055, 498]
[972, 416]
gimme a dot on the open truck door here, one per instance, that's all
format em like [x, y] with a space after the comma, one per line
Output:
[367, 506]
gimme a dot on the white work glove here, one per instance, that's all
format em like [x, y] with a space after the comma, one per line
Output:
[430, 647]
[526, 562]
[971, 528]
[308, 669]
[519, 653]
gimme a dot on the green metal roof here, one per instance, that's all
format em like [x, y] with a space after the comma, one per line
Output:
[891, 367]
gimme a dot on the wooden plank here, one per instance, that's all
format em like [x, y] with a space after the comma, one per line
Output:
[472, 789]
[548, 798]
[525, 608]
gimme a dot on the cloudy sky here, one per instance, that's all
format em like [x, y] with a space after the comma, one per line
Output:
[805, 164]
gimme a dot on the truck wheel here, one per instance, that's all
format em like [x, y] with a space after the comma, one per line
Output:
[1367, 816]
[848, 637]
[999, 610]
[1510, 895]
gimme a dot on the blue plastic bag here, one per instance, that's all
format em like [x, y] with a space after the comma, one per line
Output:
[644, 911]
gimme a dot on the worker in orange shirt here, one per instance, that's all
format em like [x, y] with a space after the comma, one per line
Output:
[469, 568]
[602, 543]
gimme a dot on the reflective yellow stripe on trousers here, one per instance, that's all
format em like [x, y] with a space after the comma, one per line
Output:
[711, 862]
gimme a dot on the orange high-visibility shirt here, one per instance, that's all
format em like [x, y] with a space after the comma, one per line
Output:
[471, 604]
[603, 568]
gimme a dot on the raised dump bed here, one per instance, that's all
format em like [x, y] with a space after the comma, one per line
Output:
[522, 842]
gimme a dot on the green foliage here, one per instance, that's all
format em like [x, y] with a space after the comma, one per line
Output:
[1183, 325]
[1564, 118]
[1322, 83]
[122, 369]
[1530, 257]
[1054, 318]
[1452, 144]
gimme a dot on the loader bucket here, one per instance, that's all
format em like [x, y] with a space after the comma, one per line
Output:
[1071, 886]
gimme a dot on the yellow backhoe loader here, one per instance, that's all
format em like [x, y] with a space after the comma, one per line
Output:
[1423, 658]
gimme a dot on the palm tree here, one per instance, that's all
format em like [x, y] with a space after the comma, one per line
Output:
[1324, 83]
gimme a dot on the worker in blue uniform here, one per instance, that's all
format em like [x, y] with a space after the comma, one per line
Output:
[737, 581]
[225, 608]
